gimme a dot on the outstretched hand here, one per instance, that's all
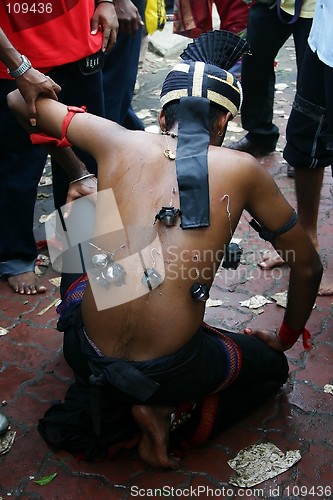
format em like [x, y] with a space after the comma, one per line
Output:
[33, 84]
[269, 338]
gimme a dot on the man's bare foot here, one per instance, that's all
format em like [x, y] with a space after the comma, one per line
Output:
[326, 286]
[25, 283]
[271, 259]
[154, 422]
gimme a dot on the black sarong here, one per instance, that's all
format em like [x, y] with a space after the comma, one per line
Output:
[233, 373]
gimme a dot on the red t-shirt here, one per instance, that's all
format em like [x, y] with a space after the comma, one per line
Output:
[50, 33]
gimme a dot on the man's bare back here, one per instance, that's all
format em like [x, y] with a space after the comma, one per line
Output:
[161, 321]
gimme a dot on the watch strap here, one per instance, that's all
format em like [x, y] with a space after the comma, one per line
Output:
[24, 66]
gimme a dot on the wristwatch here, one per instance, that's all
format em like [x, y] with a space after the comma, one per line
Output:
[24, 66]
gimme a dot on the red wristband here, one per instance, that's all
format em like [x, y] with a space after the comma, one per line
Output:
[42, 138]
[288, 336]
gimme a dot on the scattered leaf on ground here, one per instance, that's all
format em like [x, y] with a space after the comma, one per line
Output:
[46, 479]
[260, 462]
[255, 302]
[213, 303]
[45, 181]
[328, 388]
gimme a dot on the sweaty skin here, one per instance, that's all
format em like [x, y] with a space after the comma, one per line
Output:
[133, 168]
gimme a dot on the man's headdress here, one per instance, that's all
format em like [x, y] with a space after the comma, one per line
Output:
[204, 71]
[200, 79]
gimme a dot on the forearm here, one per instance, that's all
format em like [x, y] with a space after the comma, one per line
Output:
[304, 280]
[302, 293]
[301, 297]
[64, 156]
[69, 162]
[8, 54]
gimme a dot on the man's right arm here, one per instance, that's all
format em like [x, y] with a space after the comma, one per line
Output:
[31, 83]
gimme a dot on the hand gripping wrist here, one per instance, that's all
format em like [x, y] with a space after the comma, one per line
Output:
[288, 336]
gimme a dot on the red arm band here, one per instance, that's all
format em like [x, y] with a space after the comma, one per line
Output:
[42, 138]
[289, 336]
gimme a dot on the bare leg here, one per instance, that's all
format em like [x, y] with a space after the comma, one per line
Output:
[308, 184]
[154, 422]
[25, 283]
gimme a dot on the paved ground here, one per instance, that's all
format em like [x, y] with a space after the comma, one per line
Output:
[33, 373]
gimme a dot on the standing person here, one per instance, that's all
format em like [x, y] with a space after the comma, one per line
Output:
[233, 15]
[31, 84]
[192, 18]
[267, 32]
[147, 260]
[309, 135]
[65, 58]
[121, 65]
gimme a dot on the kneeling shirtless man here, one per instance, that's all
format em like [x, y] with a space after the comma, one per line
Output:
[167, 207]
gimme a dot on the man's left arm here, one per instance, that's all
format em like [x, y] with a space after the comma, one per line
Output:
[272, 211]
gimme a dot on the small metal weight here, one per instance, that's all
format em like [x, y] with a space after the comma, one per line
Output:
[99, 260]
[4, 424]
[199, 292]
[114, 274]
[232, 256]
[151, 278]
[167, 215]
[106, 272]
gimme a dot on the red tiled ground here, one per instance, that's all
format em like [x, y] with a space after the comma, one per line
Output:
[33, 374]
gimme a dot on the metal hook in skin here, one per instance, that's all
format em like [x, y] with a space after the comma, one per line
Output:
[233, 252]
[111, 254]
[196, 258]
[151, 277]
[173, 192]
[228, 211]
[152, 257]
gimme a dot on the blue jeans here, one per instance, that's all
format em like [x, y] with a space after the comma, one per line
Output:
[119, 77]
